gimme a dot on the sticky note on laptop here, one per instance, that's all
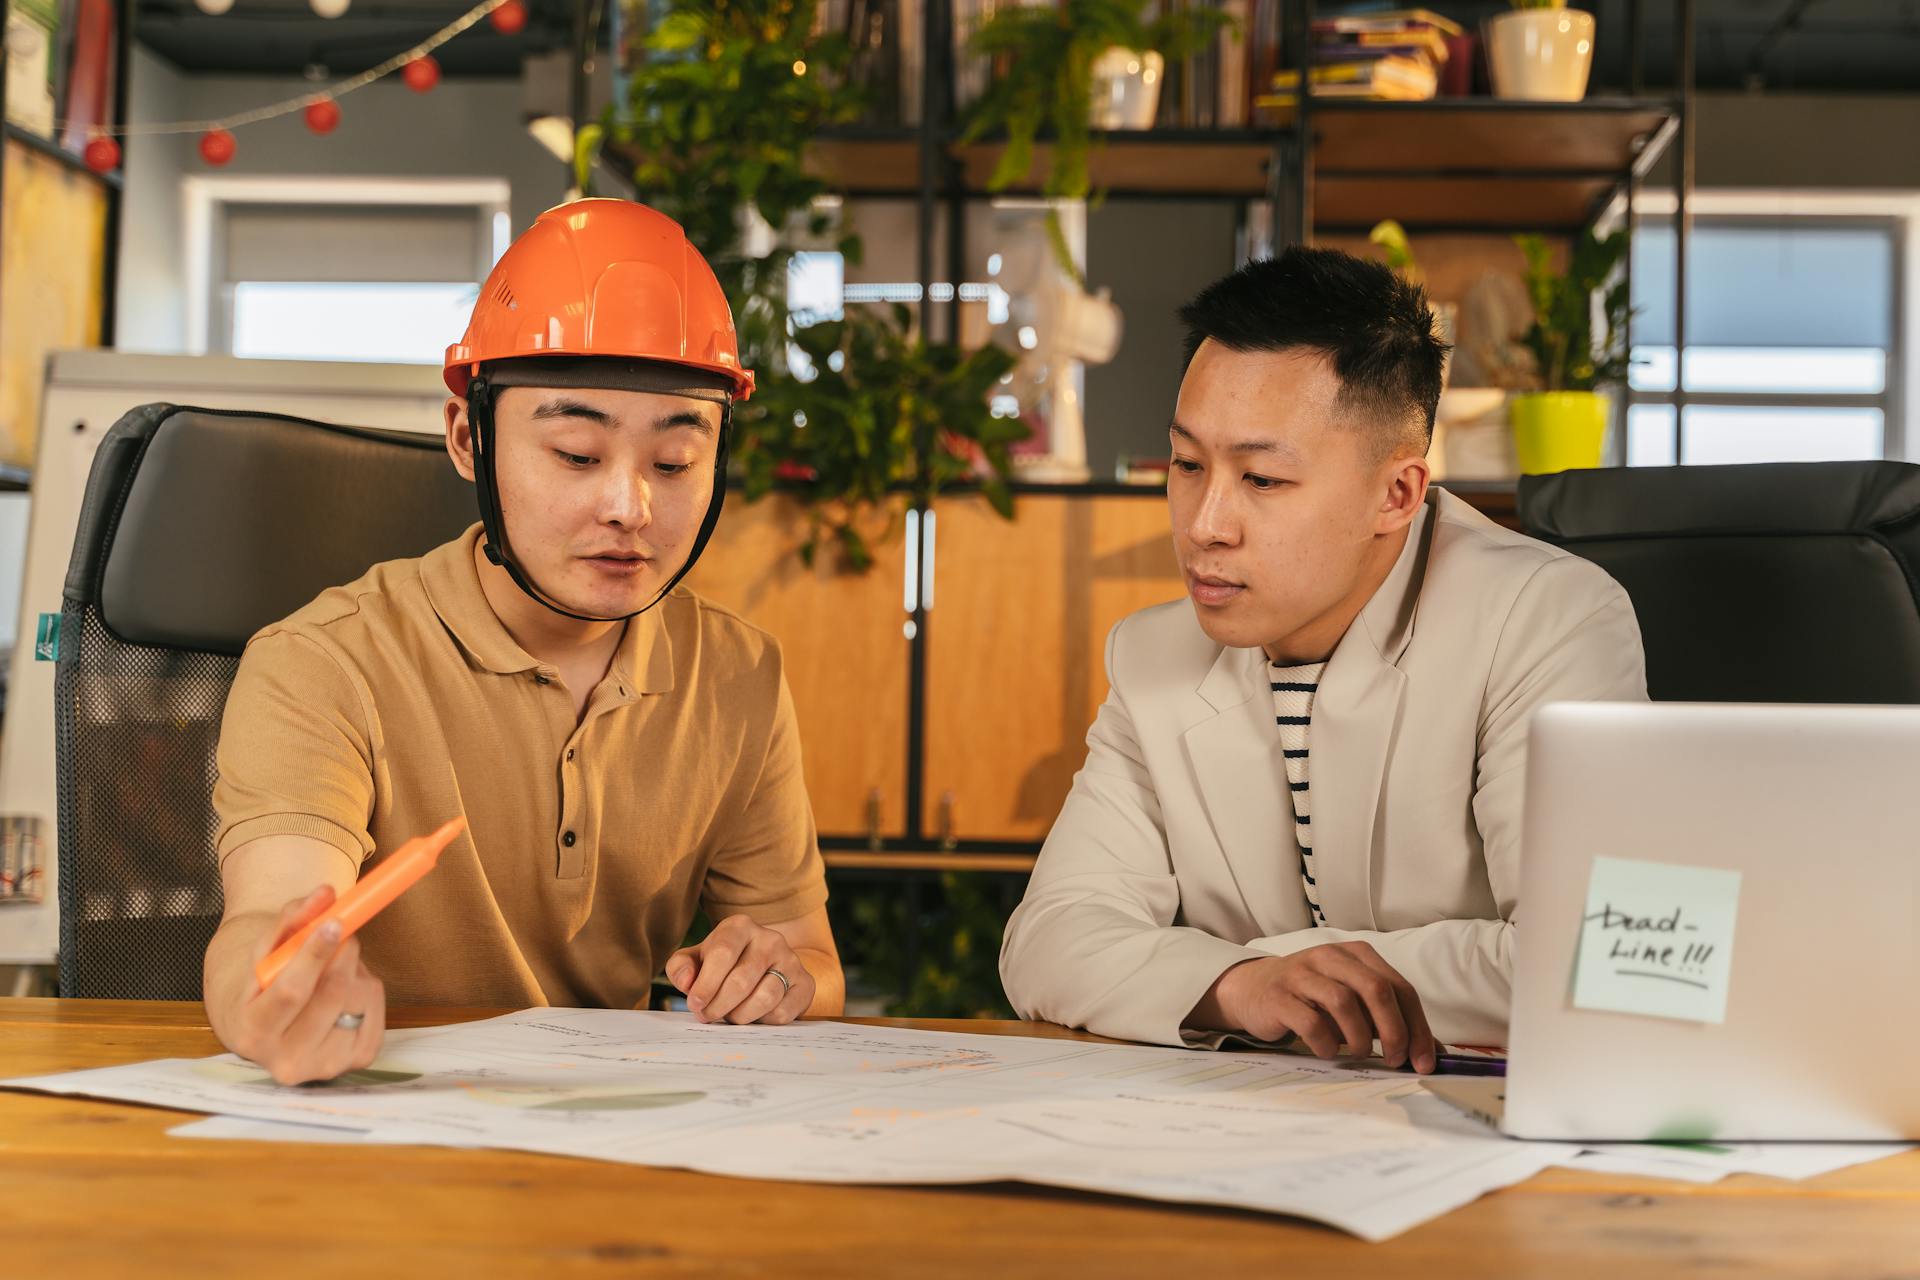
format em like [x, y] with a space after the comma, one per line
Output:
[1657, 939]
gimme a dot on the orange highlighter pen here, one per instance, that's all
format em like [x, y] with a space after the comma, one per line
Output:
[397, 873]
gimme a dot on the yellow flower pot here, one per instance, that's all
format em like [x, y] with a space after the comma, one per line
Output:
[1558, 430]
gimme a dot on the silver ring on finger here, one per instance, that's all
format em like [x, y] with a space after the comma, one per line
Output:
[785, 986]
[350, 1021]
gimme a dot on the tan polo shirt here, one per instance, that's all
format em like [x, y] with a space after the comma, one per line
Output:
[390, 705]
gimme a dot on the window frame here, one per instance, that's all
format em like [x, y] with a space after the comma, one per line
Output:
[208, 198]
[1895, 213]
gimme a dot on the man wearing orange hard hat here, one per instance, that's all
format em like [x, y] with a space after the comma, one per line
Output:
[623, 752]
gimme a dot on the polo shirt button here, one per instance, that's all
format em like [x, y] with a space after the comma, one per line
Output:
[569, 753]
[567, 839]
[540, 679]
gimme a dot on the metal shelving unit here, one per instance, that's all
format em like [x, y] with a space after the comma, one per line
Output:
[1470, 165]
[1458, 164]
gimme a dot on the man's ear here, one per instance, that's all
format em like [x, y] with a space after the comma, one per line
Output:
[459, 436]
[1404, 492]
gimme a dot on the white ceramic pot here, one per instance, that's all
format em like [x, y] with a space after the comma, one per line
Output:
[1540, 55]
[1126, 88]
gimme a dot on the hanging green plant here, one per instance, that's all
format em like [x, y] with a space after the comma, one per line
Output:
[717, 121]
[1047, 54]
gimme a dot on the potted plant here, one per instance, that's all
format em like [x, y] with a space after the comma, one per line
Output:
[717, 120]
[1047, 55]
[1541, 52]
[1392, 239]
[1561, 421]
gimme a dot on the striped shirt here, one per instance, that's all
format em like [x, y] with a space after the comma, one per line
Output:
[1293, 690]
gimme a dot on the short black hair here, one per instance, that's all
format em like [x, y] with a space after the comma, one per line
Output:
[1374, 325]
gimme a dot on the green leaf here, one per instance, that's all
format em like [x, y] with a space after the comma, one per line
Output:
[853, 547]
[999, 496]
[1015, 161]
[586, 150]
[678, 32]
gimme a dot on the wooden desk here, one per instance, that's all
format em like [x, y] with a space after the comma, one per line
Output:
[91, 1188]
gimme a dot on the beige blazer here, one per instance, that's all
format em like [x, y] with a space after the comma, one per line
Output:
[1174, 857]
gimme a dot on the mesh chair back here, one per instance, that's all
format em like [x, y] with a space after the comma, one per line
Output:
[198, 528]
[1771, 583]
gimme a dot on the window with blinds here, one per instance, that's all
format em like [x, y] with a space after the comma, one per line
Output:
[349, 282]
[1792, 351]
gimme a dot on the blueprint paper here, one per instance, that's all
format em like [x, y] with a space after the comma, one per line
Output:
[1713, 1161]
[1361, 1148]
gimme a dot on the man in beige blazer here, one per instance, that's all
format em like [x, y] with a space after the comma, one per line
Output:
[1413, 639]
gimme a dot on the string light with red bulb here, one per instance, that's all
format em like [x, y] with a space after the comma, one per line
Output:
[421, 74]
[323, 116]
[510, 18]
[217, 145]
[102, 155]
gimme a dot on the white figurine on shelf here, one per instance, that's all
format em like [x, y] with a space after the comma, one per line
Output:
[1057, 328]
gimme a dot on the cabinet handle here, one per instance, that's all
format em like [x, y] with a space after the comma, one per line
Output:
[948, 841]
[927, 527]
[873, 820]
[910, 585]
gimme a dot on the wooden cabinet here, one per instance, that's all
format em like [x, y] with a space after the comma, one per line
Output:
[1012, 649]
[1016, 618]
[846, 651]
[1016, 642]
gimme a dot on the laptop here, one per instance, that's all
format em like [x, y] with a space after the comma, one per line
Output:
[1801, 1019]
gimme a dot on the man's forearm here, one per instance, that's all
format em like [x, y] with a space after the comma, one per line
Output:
[829, 983]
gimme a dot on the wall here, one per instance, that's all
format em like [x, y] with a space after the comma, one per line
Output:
[1154, 255]
[1850, 142]
[462, 129]
[150, 311]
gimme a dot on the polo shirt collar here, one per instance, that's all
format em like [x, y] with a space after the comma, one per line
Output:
[642, 664]
[644, 661]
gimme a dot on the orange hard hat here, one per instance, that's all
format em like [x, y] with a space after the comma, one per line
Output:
[602, 278]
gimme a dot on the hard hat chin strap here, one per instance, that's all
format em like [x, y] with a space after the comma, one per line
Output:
[480, 394]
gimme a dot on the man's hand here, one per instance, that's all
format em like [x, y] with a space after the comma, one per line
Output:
[290, 1027]
[1334, 994]
[730, 975]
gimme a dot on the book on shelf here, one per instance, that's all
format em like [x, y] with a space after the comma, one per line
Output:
[1388, 20]
[1342, 51]
[1392, 56]
[1234, 85]
[1387, 79]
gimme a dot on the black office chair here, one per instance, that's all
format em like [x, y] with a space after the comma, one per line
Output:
[199, 527]
[1788, 582]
